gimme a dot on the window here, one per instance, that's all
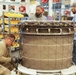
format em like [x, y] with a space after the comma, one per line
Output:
[12, 0]
[67, 6]
[12, 7]
[57, 6]
[22, 0]
[4, 7]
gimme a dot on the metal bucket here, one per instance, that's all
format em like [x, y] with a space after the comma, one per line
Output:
[47, 45]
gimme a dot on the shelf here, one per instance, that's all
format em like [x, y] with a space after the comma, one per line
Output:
[12, 22]
[17, 36]
[15, 44]
[13, 29]
[1, 36]
[9, 3]
[13, 15]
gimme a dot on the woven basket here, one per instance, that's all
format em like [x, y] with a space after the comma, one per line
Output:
[47, 47]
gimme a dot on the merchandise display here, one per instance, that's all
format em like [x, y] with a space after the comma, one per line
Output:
[13, 29]
[1, 36]
[11, 20]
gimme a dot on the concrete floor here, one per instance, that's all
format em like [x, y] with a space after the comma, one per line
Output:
[15, 53]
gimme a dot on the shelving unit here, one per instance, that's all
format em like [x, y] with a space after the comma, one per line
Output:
[45, 5]
[61, 8]
[10, 22]
[56, 6]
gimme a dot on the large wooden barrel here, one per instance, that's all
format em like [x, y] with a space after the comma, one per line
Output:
[47, 45]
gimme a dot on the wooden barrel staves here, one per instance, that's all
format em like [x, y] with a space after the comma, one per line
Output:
[47, 45]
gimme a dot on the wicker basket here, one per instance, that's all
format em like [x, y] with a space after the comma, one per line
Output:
[47, 47]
